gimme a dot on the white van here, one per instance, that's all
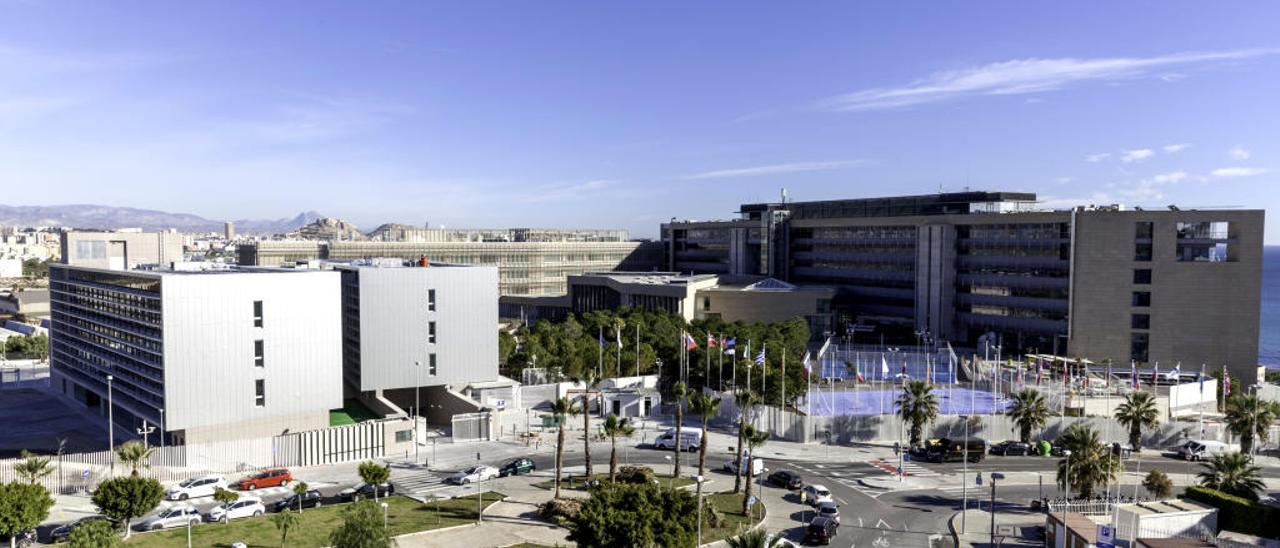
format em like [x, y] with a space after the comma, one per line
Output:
[690, 439]
[1202, 449]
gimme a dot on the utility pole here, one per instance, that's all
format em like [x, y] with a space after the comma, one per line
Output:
[994, 476]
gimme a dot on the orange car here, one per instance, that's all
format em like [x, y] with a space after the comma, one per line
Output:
[270, 477]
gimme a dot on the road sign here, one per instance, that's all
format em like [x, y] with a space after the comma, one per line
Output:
[1106, 536]
[996, 476]
[906, 457]
[751, 501]
[977, 480]
[85, 475]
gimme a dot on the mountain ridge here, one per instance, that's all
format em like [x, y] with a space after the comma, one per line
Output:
[88, 216]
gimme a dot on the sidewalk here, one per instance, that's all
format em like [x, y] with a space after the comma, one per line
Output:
[512, 521]
[1017, 529]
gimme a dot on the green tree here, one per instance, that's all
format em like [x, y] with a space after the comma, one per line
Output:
[679, 391]
[225, 498]
[128, 497]
[375, 474]
[33, 468]
[1158, 484]
[705, 407]
[361, 528]
[1138, 411]
[284, 521]
[561, 409]
[625, 514]
[22, 507]
[96, 533]
[1029, 411]
[754, 538]
[615, 426]
[1090, 462]
[300, 488]
[917, 405]
[506, 347]
[1232, 473]
[753, 439]
[745, 400]
[135, 455]
[1250, 417]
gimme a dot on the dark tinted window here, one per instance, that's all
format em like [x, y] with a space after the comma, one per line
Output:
[1142, 276]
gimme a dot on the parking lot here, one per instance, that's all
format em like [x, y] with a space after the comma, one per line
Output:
[35, 420]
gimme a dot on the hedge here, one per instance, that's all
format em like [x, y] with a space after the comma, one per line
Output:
[1239, 514]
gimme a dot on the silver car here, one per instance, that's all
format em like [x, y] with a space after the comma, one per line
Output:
[177, 516]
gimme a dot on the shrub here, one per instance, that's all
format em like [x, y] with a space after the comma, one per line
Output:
[1158, 484]
[619, 514]
[98, 533]
[560, 511]
[636, 474]
[1239, 514]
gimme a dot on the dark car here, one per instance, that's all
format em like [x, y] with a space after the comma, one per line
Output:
[365, 491]
[956, 450]
[310, 499]
[922, 451]
[821, 530]
[1007, 448]
[517, 467]
[61, 532]
[787, 479]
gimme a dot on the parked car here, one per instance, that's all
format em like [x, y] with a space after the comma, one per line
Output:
[955, 450]
[242, 508]
[273, 477]
[690, 439]
[366, 490]
[517, 467]
[757, 466]
[828, 510]
[1202, 449]
[788, 479]
[202, 486]
[60, 533]
[23, 539]
[821, 530]
[814, 495]
[922, 451]
[1122, 451]
[310, 499]
[175, 516]
[474, 474]
[1007, 448]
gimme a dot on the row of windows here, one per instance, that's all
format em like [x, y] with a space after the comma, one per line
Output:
[1185, 250]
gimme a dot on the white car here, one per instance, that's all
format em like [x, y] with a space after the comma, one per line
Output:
[814, 495]
[829, 510]
[177, 516]
[757, 466]
[474, 474]
[202, 486]
[243, 508]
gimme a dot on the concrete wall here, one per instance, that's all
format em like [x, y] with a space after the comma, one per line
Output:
[759, 306]
[120, 250]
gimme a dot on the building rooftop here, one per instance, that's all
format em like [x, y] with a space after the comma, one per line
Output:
[1170, 506]
[893, 206]
[653, 278]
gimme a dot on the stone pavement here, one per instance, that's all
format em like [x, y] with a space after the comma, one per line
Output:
[1017, 529]
[511, 521]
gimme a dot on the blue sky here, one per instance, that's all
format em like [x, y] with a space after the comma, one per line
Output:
[600, 114]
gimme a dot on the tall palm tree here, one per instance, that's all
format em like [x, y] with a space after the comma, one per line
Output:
[1138, 411]
[1090, 462]
[590, 380]
[745, 399]
[32, 468]
[679, 391]
[917, 405]
[134, 454]
[615, 426]
[561, 409]
[284, 521]
[1232, 473]
[1250, 417]
[705, 407]
[754, 538]
[1029, 412]
[374, 474]
[754, 438]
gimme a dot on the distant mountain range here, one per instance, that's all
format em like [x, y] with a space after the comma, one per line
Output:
[86, 216]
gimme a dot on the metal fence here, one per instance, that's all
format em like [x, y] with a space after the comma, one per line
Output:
[469, 427]
[81, 472]
[23, 377]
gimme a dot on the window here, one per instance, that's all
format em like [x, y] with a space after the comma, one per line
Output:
[260, 393]
[258, 359]
[1142, 276]
[1142, 252]
[431, 332]
[431, 300]
[1141, 321]
[404, 436]
[257, 313]
[1139, 343]
[706, 303]
[1143, 230]
[431, 364]
[1142, 241]
[1141, 298]
[1204, 242]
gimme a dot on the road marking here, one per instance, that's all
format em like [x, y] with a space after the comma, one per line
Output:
[842, 501]
[882, 522]
[859, 522]
[820, 465]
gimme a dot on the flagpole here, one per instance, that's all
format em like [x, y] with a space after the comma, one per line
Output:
[720, 377]
[637, 350]
[764, 372]
[750, 364]
[783, 401]
[619, 334]
[600, 353]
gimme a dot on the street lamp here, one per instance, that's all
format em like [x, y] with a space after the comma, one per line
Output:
[673, 468]
[111, 426]
[417, 406]
[162, 428]
[1067, 453]
[994, 476]
[384, 515]
[699, 480]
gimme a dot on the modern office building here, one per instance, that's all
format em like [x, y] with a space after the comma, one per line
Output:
[229, 231]
[407, 325]
[1162, 286]
[206, 355]
[121, 250]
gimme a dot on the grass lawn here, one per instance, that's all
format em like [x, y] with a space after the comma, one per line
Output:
[404, 515]
[352, 412]
[577, 483]
[730, 507]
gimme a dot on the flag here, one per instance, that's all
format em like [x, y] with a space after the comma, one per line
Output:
[760, 357]
[730, 346]
[884, 367]
[1039, 370]
[858, 370]
[807, 371]
[1022, 380]
[1155, 376]
[689, 344]
[711, 340]
[927, 378]
[602, 343]
[1226, 382]
[1201, 379]
[619, 331]
[1133, 368]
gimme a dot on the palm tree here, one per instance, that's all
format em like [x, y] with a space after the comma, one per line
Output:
[746, 399]
[284, 521]
[754, 439]
[300, 488]
[374, 474]
[705, 407]
[1250, 417]
[753, 538]
[32, 468]
[1089, 463]
[1232, 473]
[919, 406]
[590, 380]
[225, 498]
[1136, 412]
[134, 454]
[615, 426]
[679, 391]
[561, 409]
[1029, 412]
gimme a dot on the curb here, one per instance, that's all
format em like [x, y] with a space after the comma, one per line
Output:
[951, 526]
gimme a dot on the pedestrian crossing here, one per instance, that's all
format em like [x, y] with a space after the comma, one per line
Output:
[417, 482]
[910, 469]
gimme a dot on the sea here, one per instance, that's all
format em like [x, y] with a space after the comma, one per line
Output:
[1269, 339]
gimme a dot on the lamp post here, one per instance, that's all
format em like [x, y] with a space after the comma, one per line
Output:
[417, 406]
[699, 480]
[994, 476]
[673, 468]
[479, 505]
[111, 426]
[384, 515]
[145, 431]
[162, 428]
[1067, 453]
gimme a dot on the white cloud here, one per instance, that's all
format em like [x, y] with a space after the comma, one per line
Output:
[1021, 76]
[1166, 178]
[1237, 171]
[775, 169]
[1095, 158]
[1172, 149]
[1239, 153]
[1136, 155]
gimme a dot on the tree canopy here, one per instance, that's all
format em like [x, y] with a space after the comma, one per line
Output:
[625, 514]
[127, 497]
[22, 507]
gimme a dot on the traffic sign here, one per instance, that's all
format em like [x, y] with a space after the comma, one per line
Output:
[1106, 536]
[978, 479]
[85, 475]
[906, 457]
[751, 501]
